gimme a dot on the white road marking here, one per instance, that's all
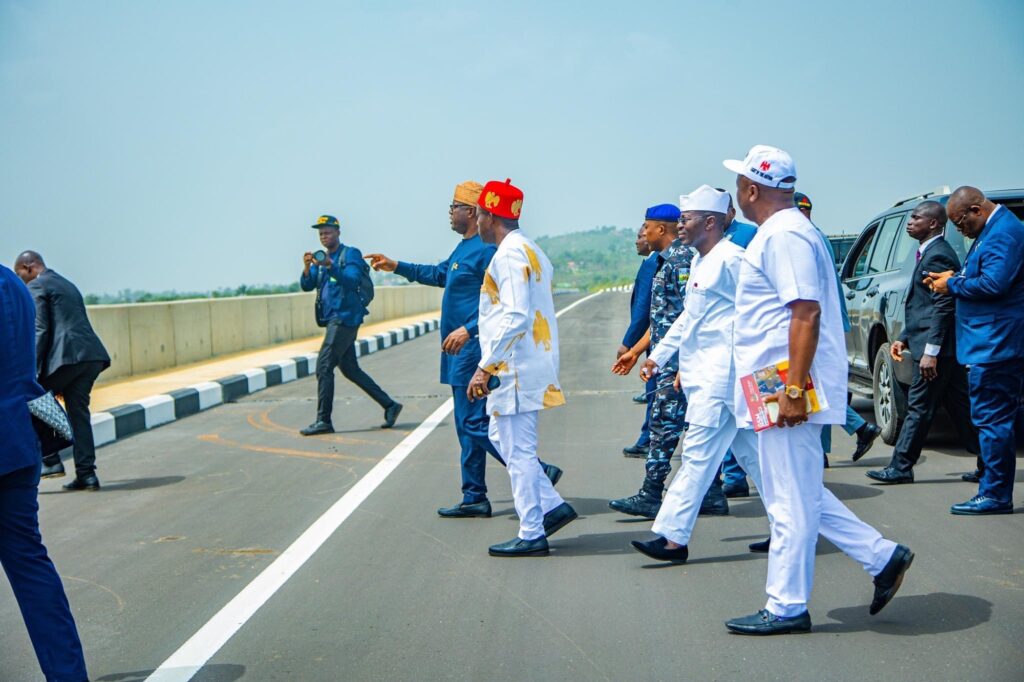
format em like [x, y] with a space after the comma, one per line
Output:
[189, 659]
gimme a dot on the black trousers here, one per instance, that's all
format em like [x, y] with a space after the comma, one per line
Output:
[949, 389]
[338, 350]
[75, 383]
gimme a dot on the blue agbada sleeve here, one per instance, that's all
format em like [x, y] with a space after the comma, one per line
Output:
[431, 275]
[640, 305]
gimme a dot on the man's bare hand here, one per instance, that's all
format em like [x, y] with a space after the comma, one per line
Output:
[648, 370]
[938, 281]
[378, 261]
[624, 365]
[792, 412]
[477, 389]
[896, 350]
[929, 367]
[677, 383]
[454, 342]
[622, 349]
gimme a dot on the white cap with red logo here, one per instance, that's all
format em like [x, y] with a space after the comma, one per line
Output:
[765, 165]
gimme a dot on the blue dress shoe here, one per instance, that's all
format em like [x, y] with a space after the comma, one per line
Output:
[979, 505]
[553, 473]
[640, 504]
[714, 503]
[765, 622]
[640, 399]
[891, 577]
[558, 518]
[891, 475]
[658, 549]
[760, 547]
[635, 451]
[519, 547]
[467, 510]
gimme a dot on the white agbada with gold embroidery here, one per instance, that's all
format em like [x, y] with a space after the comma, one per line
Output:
[518, 331]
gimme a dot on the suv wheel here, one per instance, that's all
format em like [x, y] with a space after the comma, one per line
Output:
[889, 398]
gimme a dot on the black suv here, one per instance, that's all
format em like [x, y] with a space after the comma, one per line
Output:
[875, 276]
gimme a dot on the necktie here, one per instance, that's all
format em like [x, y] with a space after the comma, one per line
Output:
[918, 259]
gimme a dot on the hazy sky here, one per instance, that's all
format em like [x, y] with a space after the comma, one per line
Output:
[188, 145]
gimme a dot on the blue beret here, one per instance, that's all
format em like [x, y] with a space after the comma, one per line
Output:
[668, 213]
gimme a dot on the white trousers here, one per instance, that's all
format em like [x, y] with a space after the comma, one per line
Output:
[799, 507]
[704, 448]
[515, 437]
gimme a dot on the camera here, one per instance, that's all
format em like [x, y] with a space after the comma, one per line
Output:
[320, 257]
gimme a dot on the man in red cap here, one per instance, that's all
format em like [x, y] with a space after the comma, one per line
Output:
[518, 369]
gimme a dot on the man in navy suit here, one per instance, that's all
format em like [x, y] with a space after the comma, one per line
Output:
[929, 336]
[989, 294]
[34, 580]
[639, 322]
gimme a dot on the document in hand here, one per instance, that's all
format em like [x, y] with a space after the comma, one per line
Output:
[768, 381]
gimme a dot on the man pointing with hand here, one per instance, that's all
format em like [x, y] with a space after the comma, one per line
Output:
[462, 276]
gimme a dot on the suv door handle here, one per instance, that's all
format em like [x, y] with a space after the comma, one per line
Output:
[850, 295]
[873, 291]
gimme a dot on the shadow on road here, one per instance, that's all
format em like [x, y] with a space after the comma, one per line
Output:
[926, 614]
[849, 491]
[595, 544]
[128, 484]
[214, 672]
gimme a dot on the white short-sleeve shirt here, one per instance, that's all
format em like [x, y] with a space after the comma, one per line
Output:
[785, 262]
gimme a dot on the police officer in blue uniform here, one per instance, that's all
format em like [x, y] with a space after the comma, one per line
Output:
[989, 294]
[639, 323]
[34, 580]
[461, 275]
[342, 307]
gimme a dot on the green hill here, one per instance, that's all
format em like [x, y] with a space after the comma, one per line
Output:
[603, 256]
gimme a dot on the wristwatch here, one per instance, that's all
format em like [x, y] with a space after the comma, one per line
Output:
[794, 392]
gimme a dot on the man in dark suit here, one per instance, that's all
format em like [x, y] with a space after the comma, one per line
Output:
[989, 295]
[639, 321]
[34, 580]
[929, 334]
[69, 357]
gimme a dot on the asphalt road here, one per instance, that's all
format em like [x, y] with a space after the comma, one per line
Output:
[192, 512]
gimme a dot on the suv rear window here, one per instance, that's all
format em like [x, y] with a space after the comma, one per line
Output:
[886, 235]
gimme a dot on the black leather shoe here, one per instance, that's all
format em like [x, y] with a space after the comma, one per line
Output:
[553, 473]
[481, 510]
[52, 471]
[979, 505]
[519, 547]
[765, 622]
[760, 547]
[731, 490]
[889, 580]
[640, 399]
[87, 482]
[971, 477]
[558, 518]
[640, 504]
[391, 415]
[657, 549]
[714, 502]
[634, 451]
[865, 439]
[890, 476]
[316, 428]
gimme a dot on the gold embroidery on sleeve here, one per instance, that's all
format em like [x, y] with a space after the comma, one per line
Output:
[541, 331]
[553, 397]
[534, 262]
[490, 287]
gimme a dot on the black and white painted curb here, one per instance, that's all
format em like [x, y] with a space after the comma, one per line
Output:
[142, 415]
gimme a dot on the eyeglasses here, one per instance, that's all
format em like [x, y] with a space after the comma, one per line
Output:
[960, 222]
[452, 207]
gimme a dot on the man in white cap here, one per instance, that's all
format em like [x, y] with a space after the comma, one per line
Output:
[703, 338]
[787, 307]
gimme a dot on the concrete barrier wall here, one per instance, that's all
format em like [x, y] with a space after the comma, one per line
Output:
[147, 337]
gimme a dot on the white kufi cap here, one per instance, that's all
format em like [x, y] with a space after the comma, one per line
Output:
[705, 198]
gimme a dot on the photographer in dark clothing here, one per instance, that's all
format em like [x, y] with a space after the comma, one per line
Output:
[341, 279]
